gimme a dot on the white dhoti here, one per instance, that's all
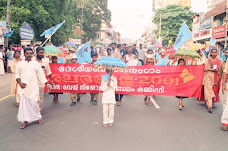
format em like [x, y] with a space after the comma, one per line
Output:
[28, 110]
[9, 62]
[108, 113]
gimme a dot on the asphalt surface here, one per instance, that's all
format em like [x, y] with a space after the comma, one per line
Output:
[137, 127]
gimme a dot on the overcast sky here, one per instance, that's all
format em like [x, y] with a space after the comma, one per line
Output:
[131, 17]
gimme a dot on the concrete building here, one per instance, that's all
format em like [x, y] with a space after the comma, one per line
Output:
[107, 35]
[157, 4]
[212, 24]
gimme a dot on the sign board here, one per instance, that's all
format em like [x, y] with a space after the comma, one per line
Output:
[1, 36]
[206, 23]
[3, 23]
[75, 41]
[26, 32]
[202, 34]
[25, 42]
[219, 32]
[4, 28]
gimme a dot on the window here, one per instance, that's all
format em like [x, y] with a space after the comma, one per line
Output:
[219, 22]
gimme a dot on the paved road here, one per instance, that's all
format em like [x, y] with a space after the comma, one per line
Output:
[137, 127]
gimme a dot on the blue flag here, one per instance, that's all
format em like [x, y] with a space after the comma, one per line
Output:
[83, 53]
[212, 41]
[60, 60]
[53, 29]
[8, 34]
[158, 57]
[183, 36]
[105, 77]
[163, 62]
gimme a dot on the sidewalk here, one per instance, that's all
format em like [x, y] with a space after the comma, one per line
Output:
[5, 84]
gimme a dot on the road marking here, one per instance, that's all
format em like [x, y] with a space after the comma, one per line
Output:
[5, 97]
[154, 103]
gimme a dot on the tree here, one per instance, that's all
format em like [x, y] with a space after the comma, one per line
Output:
[43, 14]
[172, 18]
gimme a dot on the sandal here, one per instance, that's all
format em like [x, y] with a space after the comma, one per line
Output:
[17, 105]
[210, 110]
[24, 125]
[55, 101]
[180, 108]
[213, 106]
[105, 125]
[110, 125]
[41, 121]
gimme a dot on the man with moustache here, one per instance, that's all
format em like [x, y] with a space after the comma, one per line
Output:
[44, 63]
[28, 74]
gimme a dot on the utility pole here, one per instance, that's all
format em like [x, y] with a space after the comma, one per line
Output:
[82, 5]
[159, 39]
[7, 21]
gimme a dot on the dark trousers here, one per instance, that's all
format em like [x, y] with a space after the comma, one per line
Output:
[118, 97]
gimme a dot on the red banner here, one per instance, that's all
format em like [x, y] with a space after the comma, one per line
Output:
[139, 80]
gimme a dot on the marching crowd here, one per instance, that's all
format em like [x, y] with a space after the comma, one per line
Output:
[25, 63]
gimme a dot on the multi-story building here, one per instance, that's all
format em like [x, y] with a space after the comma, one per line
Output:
[107, 35]
[219, 26]
[157, 4]
[212, 24]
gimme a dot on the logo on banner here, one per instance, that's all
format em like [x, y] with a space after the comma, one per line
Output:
[186, 76]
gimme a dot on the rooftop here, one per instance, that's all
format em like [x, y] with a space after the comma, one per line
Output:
[218, 9]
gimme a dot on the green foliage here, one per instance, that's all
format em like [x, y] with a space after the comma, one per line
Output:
[172, 18]
[43, 14]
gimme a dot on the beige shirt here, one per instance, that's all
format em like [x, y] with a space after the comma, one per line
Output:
[117, 54]
[44, 63]
[109, 91]
[226, 68]
[30, 73]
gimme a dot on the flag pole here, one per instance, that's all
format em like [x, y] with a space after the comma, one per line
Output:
[194, 39]
[50, 36]
[47, 39]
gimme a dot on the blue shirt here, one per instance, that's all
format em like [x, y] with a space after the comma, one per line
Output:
[10, 55]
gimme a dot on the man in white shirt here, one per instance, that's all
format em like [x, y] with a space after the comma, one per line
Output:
[108, 86]
[44, 63]
[28, 74]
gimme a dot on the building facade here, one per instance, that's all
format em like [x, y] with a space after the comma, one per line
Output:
[212, 24]
[157, 4]
[107, 35]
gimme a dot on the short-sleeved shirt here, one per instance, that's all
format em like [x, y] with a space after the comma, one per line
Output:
[223, 68]
[226, 68]
[44, 63]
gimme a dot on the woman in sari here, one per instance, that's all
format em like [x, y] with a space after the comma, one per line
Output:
[211, 87]
[17, 55]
